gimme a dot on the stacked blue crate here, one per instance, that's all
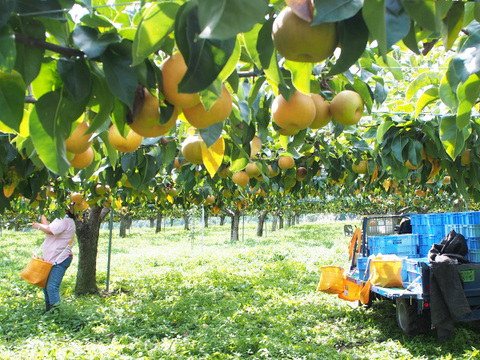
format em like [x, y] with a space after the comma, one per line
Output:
[432, 228]
[403, 245]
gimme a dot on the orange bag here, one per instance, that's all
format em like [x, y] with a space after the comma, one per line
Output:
[386, 271]
[351, 291]
[331, 280]
[37, 271]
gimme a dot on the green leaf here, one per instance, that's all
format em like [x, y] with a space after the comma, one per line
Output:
[155, 25]
[410, 40]
[28, 59]
[353, 37]
[232, 62]
[426, 13]
[398, 145]
[335, 10]
[7, 8]
[264, 44]
[120, 76]
[252, 96]
[211, 134]
[168, 153]
[382, 130]
[91, 42]
[467, 61]
[453, 138]
[415, 152]
[12, 98]
[50, 123]
[447, 92]
[102, 101]
[477, 11]
[452, 25]
[224, 19]
[422, 80]
[76, 77]
[397, 22]
[467, 96]
[48, 8]
[301, 74]
[374, 14]
[250, 41]
[205, 58]
[430, 95]
[8, 51]
[364, 91]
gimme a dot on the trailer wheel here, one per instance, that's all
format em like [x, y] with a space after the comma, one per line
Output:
[408, 318]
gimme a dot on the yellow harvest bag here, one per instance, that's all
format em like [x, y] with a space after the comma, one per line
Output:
[36, 272]
[351, 291]
[331, 280]
[386, 271]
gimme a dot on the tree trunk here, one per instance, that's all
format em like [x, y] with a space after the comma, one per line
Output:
[222, 220]
[274, 222]
[289, 221]
[159, 221]
[185, 219]
[123, 225]
[261, 220]
[87, 231]
[280, 221]
[205, 219]
[235, 216]
[152, 221]
[171, 222]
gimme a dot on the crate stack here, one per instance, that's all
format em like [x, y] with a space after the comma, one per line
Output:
[432, 228]
[403, 245]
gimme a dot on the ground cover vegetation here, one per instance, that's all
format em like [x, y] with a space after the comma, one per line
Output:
[154, 108]
[254, 299]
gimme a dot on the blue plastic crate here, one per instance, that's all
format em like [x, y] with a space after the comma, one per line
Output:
[412, 273]
[435, 219]
[469, 231]
[423, 250]
[474, 256]
[414, 220]
[473, 217]
[401, 245]
[473, 243]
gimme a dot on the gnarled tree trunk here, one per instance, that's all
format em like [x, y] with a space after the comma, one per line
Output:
[123, 225]
[274, 222]
[261, 220]
[88, 231]
[159, 221]
[235, 215]
[185, 219]
[152, 221]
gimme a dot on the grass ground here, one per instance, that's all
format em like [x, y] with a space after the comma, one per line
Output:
[174, 296]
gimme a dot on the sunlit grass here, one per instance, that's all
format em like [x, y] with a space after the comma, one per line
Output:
[174, 296]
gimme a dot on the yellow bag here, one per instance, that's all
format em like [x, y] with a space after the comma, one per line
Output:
[37, 272]
[386, 271]
[351, 291]
[331, 280]
[364, 296]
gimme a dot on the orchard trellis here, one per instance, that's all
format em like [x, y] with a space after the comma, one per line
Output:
[414, 63]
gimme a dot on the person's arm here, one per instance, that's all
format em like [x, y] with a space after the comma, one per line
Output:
[44, 220]
[43, 227]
